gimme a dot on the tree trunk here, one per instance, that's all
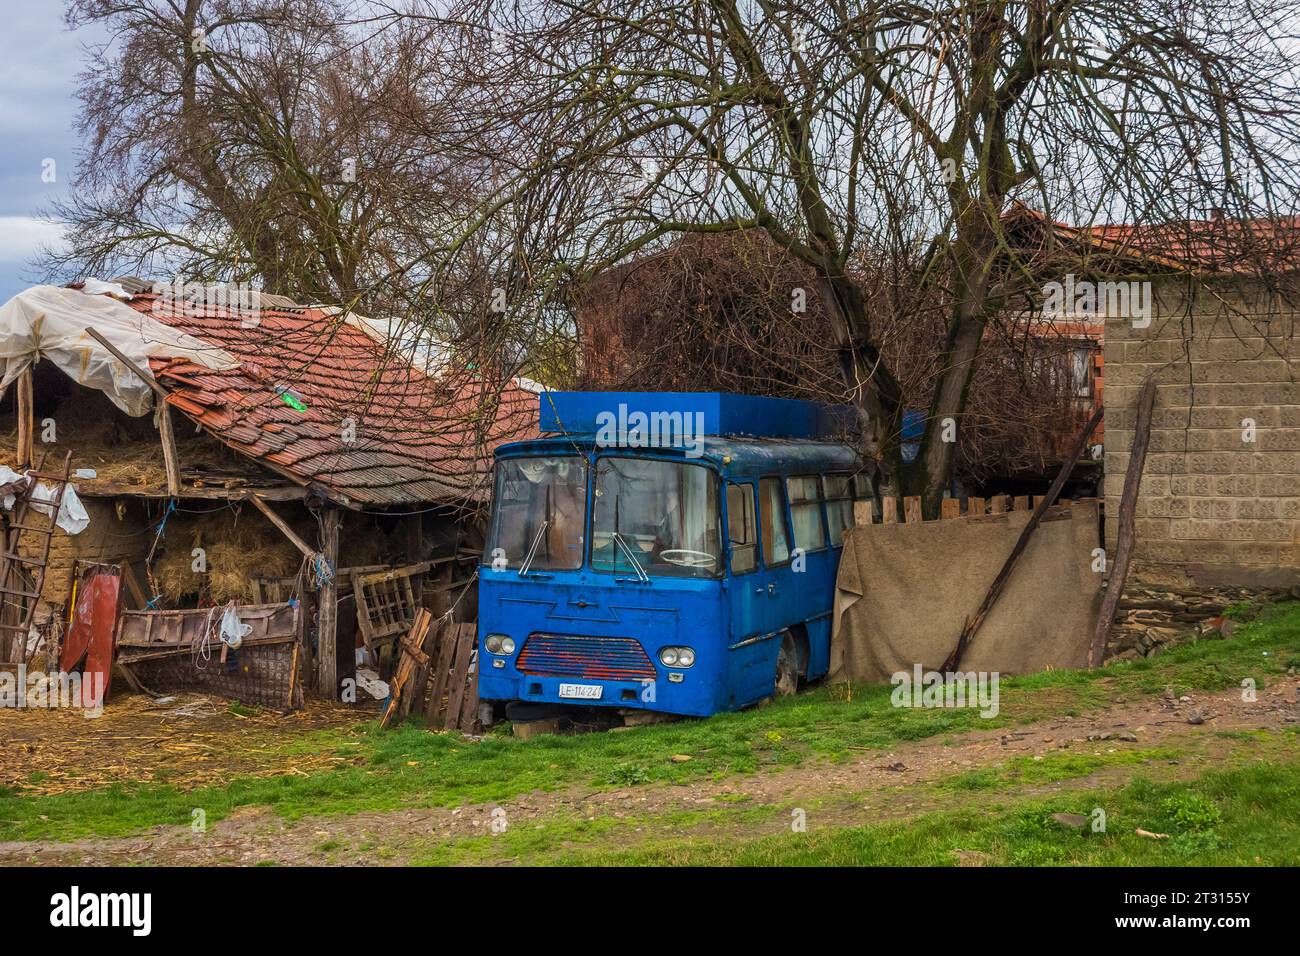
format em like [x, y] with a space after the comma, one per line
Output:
[874, 390]
[931, 473]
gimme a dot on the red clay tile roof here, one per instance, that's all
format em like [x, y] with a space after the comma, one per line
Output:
[1208, 245]
[417, 439]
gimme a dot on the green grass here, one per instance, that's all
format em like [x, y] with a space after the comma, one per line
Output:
[408, 766]
[1245, 816]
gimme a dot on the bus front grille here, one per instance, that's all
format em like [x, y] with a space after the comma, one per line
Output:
[595, 658]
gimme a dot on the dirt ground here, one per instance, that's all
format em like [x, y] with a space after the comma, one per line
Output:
[877, 787]
[189, 741]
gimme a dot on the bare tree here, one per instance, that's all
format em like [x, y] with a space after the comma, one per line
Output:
[279, 141]
[886, 129]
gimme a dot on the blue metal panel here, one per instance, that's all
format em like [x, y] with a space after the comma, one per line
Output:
[665, 612]
[718, 413]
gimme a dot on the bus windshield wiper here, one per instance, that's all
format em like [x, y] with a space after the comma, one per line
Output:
[640, 571]
[532, 549]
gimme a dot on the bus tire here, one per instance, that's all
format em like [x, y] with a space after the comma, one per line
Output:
[787, 667]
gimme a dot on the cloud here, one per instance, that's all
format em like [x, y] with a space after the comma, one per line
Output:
[21, 237]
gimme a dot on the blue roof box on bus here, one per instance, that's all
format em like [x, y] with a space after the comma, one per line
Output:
[710, 413]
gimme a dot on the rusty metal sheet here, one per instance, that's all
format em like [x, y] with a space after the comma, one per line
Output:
[92, 631]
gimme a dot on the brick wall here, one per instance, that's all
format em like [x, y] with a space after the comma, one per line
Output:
[108, 539]
[1215, 506]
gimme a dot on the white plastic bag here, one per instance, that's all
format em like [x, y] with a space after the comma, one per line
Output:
[233, 630]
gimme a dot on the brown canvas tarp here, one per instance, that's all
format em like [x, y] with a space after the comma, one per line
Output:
[905, 590]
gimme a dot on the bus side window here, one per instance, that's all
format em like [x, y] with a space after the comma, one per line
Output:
[740, 528]
[776, 538]
[862, 489]
[806, 512]
[839, 507]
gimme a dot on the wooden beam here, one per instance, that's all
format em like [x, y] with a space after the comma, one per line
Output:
[26, 419]
[94, 488]
[1127, 523]
[327, 664]
[307, 550]
[114, 351]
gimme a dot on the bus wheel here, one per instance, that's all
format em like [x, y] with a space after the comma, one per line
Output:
[787, 667]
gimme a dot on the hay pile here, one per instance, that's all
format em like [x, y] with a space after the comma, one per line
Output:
[238, 549]
[122, 450]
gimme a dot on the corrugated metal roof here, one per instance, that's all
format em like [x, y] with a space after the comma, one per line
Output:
[326, 405]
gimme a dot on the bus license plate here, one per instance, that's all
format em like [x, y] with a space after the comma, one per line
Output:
[581, 691]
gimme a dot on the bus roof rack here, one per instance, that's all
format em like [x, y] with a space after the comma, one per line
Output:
[711, 413]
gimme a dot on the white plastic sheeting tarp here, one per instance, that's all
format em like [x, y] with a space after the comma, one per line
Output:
[73, 517]
[48, 322]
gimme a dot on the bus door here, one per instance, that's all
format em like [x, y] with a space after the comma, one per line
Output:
[754, 589]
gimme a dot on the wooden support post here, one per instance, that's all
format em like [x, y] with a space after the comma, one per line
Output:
[26, 418]
[1127, 522]
[327, 663]
[974, 506]
[912, 509]
[998, 505]
[950, 508]
[168, 438]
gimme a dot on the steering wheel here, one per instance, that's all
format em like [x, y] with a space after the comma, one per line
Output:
[686, 558]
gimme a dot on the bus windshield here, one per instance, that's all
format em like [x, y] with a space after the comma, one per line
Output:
[655, 518]
[539, 513]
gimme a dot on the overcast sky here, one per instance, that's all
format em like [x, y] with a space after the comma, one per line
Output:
[37, 110]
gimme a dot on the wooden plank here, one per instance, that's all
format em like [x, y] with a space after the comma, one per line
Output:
[469, 707]
[26, 419]
[445, 647]
[459, 674]
[1127, 522]
[950, 508]
[1020, 503]
[864, 512]
[998, 505]
[974, 506]
[413, 657]
[1037, 500]
[912, 509]
[327, 664]
[889, 511]
[283, 525]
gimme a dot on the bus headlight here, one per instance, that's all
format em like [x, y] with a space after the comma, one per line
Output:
[677, 657]
[499, 644]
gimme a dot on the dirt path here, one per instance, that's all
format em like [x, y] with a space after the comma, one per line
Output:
[879, 785]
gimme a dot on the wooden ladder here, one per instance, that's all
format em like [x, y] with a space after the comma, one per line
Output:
[22, 576]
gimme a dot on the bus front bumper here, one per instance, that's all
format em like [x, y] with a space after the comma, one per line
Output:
[669, 693]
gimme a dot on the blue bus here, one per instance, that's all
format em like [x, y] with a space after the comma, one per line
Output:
[670, 552]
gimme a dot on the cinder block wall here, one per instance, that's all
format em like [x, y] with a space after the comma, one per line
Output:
[1215, 508]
